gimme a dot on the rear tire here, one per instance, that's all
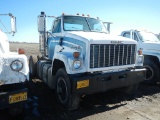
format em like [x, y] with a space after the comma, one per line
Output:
[33, 66]
[63, 91]
[152, 71]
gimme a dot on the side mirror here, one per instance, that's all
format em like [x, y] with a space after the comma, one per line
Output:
[42, 22]
[13, 24]
[108, 25]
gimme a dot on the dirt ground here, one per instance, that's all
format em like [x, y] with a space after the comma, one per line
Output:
[111, 105]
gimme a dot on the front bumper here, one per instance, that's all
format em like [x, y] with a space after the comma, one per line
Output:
[13, 97]
[106, 81]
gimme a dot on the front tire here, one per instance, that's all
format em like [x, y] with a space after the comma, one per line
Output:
[152, 71]
[63, 91]
[33, 66]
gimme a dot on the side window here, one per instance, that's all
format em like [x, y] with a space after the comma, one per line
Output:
[57, 26]
[126, 34]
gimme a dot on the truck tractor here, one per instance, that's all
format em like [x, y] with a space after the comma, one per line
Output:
[14, 71]
[80, 57]
[150, 45]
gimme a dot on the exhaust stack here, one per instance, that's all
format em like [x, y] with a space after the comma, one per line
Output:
[42, 33]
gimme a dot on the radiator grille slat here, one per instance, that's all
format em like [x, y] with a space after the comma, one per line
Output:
[107, 55]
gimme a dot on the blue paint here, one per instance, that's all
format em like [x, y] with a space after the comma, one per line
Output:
[77, 42]
[53, 41]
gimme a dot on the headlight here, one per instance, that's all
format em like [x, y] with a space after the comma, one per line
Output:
[140, 60]
[16, 65]
[77, 64]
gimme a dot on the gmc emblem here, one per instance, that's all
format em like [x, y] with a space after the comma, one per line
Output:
[116, 42]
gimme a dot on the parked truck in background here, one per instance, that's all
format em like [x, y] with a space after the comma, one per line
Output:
[150, 45]
[158, 35]
[79, 57]
[14, 71]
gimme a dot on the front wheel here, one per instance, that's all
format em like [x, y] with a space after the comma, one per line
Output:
[152, 71]
[63, 91]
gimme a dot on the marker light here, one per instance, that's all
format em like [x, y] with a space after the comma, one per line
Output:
[77, 13]
[76, 54]
[140, 51]
[21, 51]
[82, 14]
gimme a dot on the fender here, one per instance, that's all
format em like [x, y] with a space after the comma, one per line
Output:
[156, 54]
[68, 59]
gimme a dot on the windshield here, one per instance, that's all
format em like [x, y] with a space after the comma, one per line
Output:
[77, 23]
[147, 36]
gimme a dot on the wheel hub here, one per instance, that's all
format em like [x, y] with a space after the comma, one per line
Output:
[149, 72]
[62, 90]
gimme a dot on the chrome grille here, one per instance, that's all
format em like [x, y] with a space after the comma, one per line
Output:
[107, 55]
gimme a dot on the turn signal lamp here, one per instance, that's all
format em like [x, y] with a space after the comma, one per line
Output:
[76, 54]
[140, 51]
[21, 51]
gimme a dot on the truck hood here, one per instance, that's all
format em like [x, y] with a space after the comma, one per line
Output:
[100, 37]
[151, 46]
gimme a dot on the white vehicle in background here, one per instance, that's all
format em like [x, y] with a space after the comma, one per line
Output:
[158, 36]
[14, 71]
[150, 45]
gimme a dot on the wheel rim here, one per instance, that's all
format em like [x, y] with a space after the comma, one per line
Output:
[62, 90]
[149, 72]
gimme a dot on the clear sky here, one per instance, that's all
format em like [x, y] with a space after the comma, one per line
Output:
[125, 14]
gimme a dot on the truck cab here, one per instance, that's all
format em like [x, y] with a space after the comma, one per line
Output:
[14, 72]
[150, 45]
[80, 57]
